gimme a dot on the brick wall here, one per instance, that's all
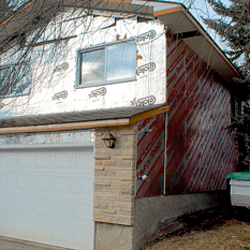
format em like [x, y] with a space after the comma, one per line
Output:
[115, 177]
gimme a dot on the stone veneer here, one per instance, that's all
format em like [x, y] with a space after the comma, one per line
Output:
[115, 177]
[84, 136]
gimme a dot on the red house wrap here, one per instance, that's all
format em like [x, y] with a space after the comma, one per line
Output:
[198, 151]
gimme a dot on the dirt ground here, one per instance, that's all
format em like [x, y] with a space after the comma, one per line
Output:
[233, 234]
[219, 228]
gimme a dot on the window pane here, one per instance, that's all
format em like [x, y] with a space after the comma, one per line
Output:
[4, 73]
[93, 67]
[121, 61]
[15, 80]
[6, 79]
[23, 79]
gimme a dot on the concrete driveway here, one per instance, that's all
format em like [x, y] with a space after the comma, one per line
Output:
[15, 244]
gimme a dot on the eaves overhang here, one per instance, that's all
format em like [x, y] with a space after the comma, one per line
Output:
[186, 27]
[36, 13]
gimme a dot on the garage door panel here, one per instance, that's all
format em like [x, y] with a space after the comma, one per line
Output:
[61, 233]
[47, 195]
[63, 160]
[8, 160]
[24, 182]
[43, 183]
[62, 209]
[8, 181]
[41, 230]
[7, 203]
[80, 211]
[82, 162]
[24, 205]
[25, 159]
[44, 160]
[7, 226]
[63, 185]
[42, 207]
[82, 235]
[83, 186]
[23, 229]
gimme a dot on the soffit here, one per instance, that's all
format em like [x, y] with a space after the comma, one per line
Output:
[179, 20]
[211, 57]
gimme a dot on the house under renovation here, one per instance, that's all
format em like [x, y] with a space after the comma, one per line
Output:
[143, 74]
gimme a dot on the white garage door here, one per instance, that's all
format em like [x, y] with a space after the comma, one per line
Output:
[46, 195]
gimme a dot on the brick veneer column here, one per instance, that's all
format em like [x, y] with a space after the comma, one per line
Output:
[114, 177]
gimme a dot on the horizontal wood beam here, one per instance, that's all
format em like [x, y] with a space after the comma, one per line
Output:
[148, 114]
[167, 11]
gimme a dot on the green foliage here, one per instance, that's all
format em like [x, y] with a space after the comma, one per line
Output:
[240, 132]
[233, 25]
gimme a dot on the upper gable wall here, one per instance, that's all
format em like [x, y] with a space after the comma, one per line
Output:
[199, 150]
[54, 67]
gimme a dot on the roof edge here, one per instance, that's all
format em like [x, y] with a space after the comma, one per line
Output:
[86, 124]
[211, 41]
[17, 12]
[203, 32]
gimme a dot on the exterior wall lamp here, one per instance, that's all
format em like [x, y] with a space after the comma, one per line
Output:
[109, 140]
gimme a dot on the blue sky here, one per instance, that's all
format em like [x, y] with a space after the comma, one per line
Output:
[202, 8]
[16, 3]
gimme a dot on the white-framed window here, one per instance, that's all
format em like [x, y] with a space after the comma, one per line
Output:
[101, 65]
[15, 79]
